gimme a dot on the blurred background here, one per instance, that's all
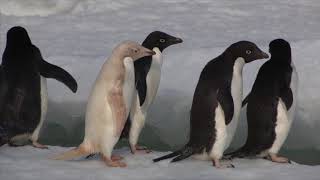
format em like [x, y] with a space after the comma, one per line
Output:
[79, 35]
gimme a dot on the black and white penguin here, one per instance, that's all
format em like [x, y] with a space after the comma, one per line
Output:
[271, 105]
[216, 104]
[147, 80]
[23, 89]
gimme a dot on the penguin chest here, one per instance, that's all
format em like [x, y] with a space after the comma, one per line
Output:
[128, 84]
[236, 93]
[153, 78]
[283, 124]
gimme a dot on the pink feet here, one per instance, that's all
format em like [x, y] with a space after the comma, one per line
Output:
[139, 149]
[278, 159]
[114, 161]
[38, 145]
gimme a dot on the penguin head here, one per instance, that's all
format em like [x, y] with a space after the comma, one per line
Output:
[133, 50]
[18, 37]
[280, 50]
[246, 50]
[160, 40]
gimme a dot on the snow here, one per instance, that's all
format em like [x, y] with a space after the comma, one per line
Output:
[28, 163]
[79, 35]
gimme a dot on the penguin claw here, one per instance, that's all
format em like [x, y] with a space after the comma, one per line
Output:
[141, 149]
[40, 146]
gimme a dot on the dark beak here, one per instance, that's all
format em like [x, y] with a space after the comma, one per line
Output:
[264, 55]
[150, 53]
[177, 40]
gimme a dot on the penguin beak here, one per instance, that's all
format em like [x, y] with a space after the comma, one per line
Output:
[150, 52]
[177, 40]
[264, 55]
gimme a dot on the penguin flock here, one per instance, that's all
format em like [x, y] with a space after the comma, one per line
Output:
[127, 85]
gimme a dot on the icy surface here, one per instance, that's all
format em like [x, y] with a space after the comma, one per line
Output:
[78, 35]
[28, 163]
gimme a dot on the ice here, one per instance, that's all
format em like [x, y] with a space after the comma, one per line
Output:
[78, 35]
[28, 163]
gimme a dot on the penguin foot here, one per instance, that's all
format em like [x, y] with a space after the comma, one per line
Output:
[109, 162]
[116, 158]
[38, 145]
[140, 149]
[278, 159]
[218, 165]
[227, 158]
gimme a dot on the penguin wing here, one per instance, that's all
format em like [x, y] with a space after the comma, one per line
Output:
[52, 71]
[225, 99]
[48, 70]
[245, 100]
[285, 92]
[141, 69]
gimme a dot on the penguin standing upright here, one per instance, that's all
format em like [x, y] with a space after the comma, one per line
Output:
[147, 80]
[271, 105]
[109, 104]
[23, 92]
[216, 104]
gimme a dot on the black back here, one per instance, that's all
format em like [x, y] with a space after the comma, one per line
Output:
[272, 82]
[142, 66]
[22, 65]
[21, 104]
[214, 86]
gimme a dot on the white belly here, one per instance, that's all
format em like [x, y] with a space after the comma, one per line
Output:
[236, 93]
[153, 79]
[285, 117]
[282, 127]
[129, 84]
[44, 107]
[225, 133]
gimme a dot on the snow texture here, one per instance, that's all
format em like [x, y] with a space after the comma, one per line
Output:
[28, 163]
[79, 35]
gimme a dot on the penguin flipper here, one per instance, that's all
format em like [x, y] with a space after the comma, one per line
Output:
[286, 92]
[141, 69]
[225, 99]
[52, 71]
[245, 100]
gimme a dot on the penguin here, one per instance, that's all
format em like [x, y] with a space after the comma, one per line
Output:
[216, 104]
[147, 80]
[109, 104]
[271, 105]
[23, 89]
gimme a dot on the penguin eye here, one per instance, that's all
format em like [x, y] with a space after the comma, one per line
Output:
[162, 40]
[136, 51]
[248, 52]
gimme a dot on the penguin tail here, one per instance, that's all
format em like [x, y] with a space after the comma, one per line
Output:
[74, 153]
[178, 155]
[240, 153]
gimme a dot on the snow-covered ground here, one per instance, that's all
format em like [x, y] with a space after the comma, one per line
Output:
[80, 34]
[28, 163]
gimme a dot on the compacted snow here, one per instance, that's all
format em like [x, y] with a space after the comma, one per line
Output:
[28, 163]
[79, 35]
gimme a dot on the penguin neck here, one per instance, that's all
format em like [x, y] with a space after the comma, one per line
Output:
[238, 65]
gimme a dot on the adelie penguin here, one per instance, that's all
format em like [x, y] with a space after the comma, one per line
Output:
[271, 105]
[147, 79]
[216, 104]
[23, 89]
